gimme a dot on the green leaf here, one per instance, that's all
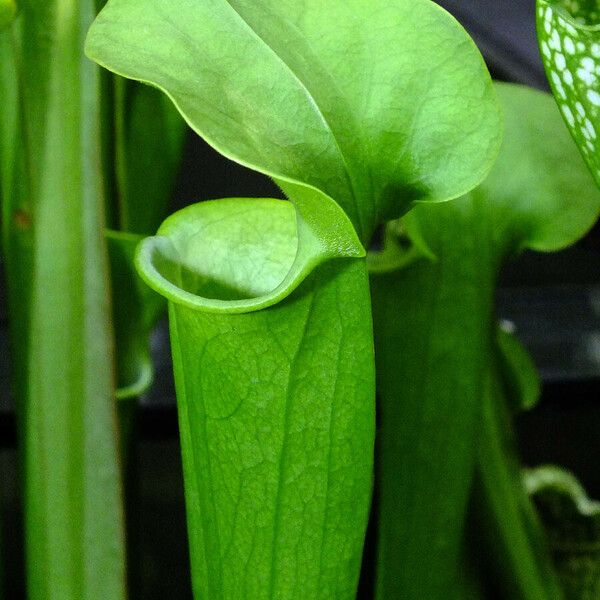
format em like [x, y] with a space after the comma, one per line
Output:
[511, 536]
[17, 220]
[8, 11]
[142, 142]
[375, 105]
[149, 142]
[357, 111]
[540, 195]
[149, 135]
[435, 337]
[569, 37]
[73, 520]
[522, 384]
[572, 524]
[136, 310]
[249, 284]
[276, 406]
[430, 323]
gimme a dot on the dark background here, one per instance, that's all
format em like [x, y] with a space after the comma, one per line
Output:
[553, 300]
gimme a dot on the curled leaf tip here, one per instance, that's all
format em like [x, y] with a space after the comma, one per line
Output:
[136, 310]
[572, 523]
[234, 255]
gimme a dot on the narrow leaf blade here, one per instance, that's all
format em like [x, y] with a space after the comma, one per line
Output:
[136, 310]
[73, 514]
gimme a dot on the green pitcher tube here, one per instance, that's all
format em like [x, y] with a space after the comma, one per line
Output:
[273, 358]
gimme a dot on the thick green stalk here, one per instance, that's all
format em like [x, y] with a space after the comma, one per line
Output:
[436, 345]
[17, 221]
[513, 536]
[440, 416]
[429, 388]
[73, 522]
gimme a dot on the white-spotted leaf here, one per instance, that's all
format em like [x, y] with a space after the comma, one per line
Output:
[569, 37]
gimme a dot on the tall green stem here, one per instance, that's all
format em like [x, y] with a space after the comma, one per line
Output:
[17, 221]
[432, 345]
[514, 538]
[436, 348]
[73, 522]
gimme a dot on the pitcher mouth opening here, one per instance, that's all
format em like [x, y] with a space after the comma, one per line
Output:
[223, 254]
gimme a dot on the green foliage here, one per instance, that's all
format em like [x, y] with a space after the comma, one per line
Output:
[522, 384]
[570, 46]
[17, 222]
[572, 523]
[276, 406]
[52, 225]
[534, 201]
[431, 352]
[53, 208]
[8, 10]
[136, 310]
[146, 135]
[437, 350]
[357, 112]
[509, 533]
[149, 135]
[391, 123]
[253, 278]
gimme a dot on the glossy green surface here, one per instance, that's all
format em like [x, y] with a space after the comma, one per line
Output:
[242, 282]
[435, 341]
[569, 37]
[279, 481]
